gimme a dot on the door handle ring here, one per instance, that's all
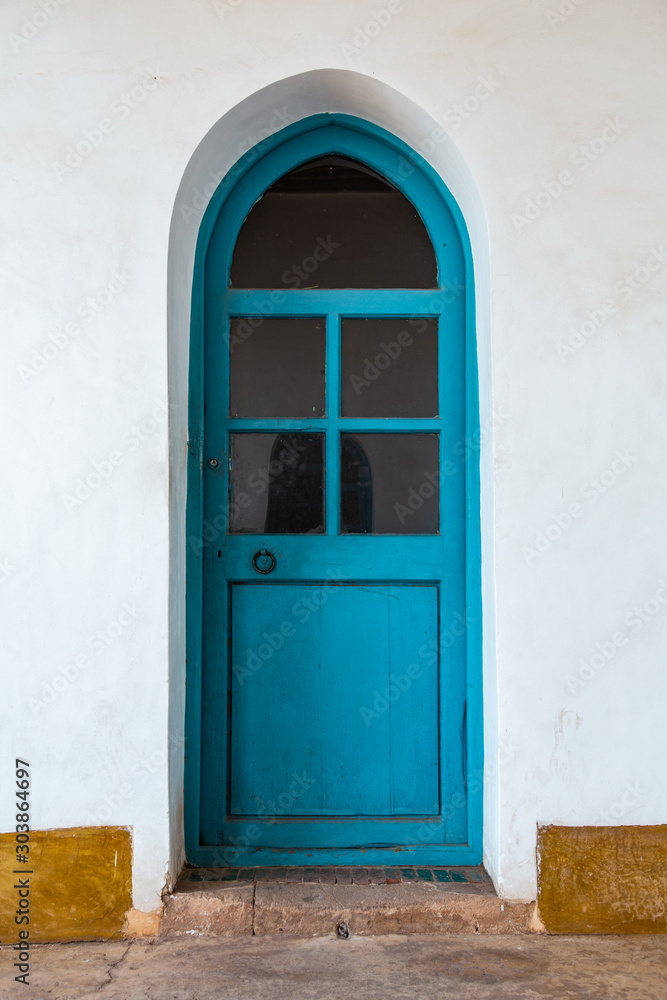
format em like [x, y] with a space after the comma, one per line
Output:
[264, 561]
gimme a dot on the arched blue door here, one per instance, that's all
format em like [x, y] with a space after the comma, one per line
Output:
[335, 709]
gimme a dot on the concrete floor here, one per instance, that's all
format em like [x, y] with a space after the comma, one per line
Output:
[396, 968]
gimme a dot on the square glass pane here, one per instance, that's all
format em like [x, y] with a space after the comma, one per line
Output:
[276, 367]
[277, 484]
[390, 484]
[389, 367]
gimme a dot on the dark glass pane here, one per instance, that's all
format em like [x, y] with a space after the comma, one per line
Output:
[390, 484]
[333, 223]
[390, 367]
[277, 484]
[276, 367]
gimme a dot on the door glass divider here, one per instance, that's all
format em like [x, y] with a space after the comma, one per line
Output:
[320, 301]
[349, 425]
[332, 409]
[275, 425]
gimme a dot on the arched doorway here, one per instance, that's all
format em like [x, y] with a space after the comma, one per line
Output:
[337, 692]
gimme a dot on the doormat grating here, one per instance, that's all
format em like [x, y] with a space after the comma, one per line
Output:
[469, 876]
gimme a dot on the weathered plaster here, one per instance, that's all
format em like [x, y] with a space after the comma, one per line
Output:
[603, 880]
[100, 718]
[77, 885]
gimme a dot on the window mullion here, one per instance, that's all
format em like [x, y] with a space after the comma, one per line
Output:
[332, 456]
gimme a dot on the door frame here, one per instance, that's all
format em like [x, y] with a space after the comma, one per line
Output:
[469, 852]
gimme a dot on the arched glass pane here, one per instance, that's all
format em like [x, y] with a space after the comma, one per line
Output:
[333, 223]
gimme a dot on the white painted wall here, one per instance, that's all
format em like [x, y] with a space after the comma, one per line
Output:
[102, 748]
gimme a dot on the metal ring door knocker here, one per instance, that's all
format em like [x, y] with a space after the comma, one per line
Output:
[264, 561]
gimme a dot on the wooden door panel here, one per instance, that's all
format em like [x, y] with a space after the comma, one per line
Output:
[334, 712]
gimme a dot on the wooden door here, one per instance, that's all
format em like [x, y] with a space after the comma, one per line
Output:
[333, 717]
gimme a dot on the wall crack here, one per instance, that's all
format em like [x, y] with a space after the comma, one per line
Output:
[113, 966]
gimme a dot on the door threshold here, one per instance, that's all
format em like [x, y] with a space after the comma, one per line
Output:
[317, 902]
[475, 877]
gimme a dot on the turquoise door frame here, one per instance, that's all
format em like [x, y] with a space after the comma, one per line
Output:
[449, 830]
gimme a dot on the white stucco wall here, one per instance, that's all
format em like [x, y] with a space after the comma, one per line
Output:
[564, 743]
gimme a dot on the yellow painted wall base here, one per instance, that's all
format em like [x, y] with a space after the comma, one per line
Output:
[139, 924]
[80, 884]
[603, 879]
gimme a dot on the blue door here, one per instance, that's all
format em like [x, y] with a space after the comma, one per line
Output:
[335, 707]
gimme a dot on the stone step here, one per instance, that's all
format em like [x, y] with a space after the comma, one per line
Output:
[317, 910]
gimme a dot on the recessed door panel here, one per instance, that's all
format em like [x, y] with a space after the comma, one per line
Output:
[334, 710]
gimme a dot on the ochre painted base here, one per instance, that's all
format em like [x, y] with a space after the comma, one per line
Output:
[592, 880]
[139, 924]
[80, 883]
[603, 879]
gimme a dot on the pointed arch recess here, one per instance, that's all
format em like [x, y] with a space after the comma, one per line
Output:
[184, 279]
